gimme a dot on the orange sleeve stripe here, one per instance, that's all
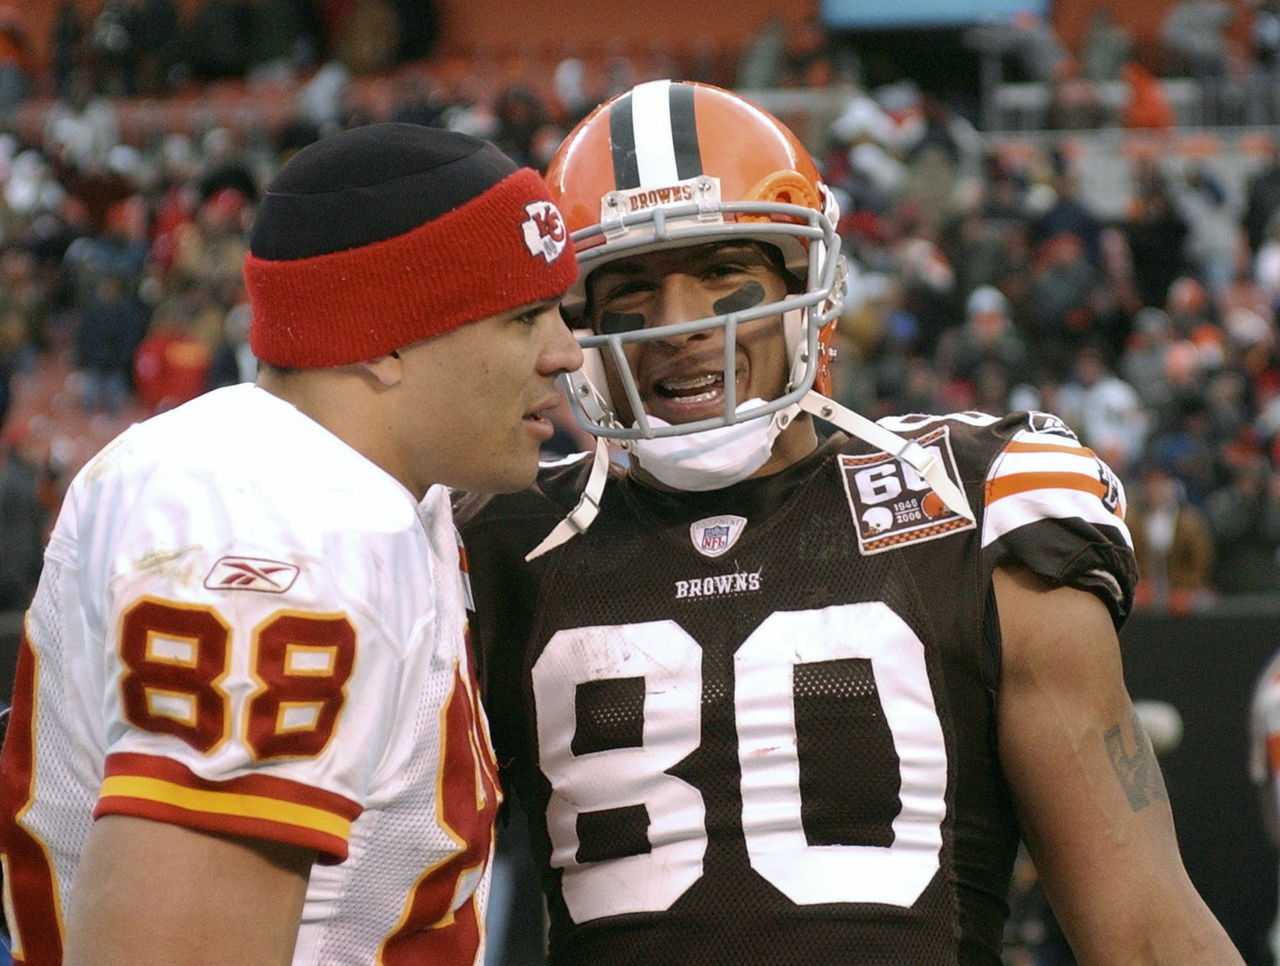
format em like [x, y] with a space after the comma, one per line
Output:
[1273, 752]
[1015, 483]
[1021, 447]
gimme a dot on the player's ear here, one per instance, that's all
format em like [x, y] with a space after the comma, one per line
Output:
[387, 371]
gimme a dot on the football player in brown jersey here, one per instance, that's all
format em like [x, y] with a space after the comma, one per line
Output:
[774, 699]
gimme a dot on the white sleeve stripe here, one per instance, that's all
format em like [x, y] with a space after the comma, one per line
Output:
[1083, 463]
[1028, 506]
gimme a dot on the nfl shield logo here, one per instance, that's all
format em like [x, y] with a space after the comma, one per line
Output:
[715, 535]
[714, 538]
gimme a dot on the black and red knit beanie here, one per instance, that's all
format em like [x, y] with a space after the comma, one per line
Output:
[377, 237]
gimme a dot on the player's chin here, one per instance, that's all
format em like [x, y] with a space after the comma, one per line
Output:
[520, 467]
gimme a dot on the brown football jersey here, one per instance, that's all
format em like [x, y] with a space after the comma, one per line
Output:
[756, 725]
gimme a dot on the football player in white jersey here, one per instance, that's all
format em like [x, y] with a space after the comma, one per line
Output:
[1264, 760]
[245, 725]
[775, 700]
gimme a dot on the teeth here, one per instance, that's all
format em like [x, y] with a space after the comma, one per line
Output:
[700, 397]
[694, 382]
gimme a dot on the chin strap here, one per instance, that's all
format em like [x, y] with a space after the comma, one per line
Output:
[909, 451]
[582, 515]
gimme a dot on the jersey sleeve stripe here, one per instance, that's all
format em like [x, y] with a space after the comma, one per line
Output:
[1012, 484]
[1014, 464]
[1031, 504]
[261, 806]
[1026, 446]
[1273, 752]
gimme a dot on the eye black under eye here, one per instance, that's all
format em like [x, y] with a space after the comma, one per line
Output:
[613, 323]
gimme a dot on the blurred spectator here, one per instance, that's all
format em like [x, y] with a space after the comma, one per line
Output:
[1230, 413]
[81, 128]
[1106, 411]
[760, 66]
[111, 320]
[1212, 216]
[975, 246]
[233, 361]
[521, 117]
[1184, 445]
[1074, 100]
[212, 247]
[1069, 212]
[1059, 300]
[868, 166]
[1147, 107]
[573, 101]
[171, 364]
[225, 164]
[157, 46]
[369, 39]
[111, 41]
[1143, 363]
[288, 38]
[417, 102]
[987, 338]
[1157, 235]
[320, 99]
[1244, 517]
[1194, 35]
[807, 59]
[16, 65]
[65, 38]
[1107, 47]
[419, 28]
[219, 39]
[1265, 39]
[1172, 543]
[1114, 301]
[928, 280]
[1266, 264]
[1192, 314]
[24, 516]
[1035, 50]
[1262, 196]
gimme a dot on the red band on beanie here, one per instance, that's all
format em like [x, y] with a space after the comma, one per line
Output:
[505, 248]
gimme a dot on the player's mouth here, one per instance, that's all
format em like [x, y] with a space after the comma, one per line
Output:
[693, 389]
[538, 420]
[684, 398]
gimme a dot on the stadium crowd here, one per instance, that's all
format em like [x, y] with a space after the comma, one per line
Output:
[981, 277]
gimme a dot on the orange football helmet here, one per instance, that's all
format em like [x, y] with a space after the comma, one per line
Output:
[670, 164]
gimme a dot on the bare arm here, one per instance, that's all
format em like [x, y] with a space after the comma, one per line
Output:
[152, 893]
[1090, 797]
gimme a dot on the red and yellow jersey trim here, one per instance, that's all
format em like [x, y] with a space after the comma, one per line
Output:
[33, 906]
[258, 806]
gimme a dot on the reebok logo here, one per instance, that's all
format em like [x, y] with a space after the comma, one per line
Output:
[251, 573]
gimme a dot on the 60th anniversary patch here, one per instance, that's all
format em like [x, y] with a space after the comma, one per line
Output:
[891, 503]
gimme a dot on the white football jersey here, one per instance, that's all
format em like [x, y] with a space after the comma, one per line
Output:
[245, 627]
[1264, 755]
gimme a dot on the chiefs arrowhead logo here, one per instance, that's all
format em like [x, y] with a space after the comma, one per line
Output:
[251, 573]
[544, 230]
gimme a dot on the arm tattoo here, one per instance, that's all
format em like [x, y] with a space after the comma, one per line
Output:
[1139, 773]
